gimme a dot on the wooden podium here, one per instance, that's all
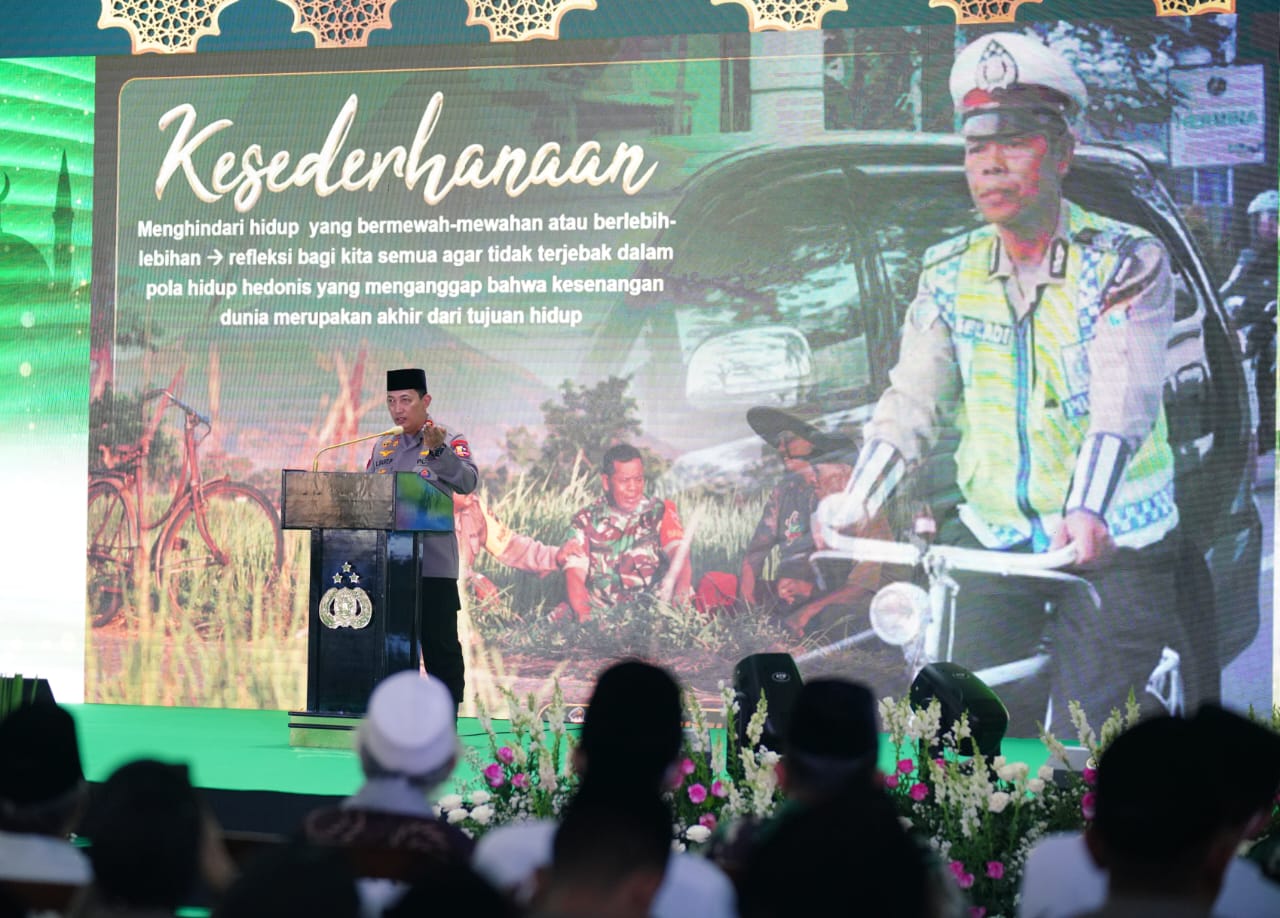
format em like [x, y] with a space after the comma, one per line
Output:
[364, 587]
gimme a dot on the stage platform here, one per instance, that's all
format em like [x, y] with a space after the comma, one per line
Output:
[255, 780]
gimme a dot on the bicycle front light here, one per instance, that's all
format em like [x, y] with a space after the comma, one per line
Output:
[898, 613]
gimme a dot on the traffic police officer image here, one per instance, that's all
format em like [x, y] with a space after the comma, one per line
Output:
[443, 459]
[1039, 337]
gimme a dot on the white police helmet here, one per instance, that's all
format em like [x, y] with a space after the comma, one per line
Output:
[1009, 83]
[1267, 200]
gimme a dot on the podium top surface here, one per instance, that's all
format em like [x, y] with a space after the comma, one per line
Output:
[356, 500]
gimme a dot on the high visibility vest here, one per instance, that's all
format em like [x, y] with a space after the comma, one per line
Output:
[1025, 407]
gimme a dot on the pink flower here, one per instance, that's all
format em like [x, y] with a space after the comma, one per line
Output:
[891, 781]
[963, 879]
[905, 766]
[940, 762]
[977, 911]
[687, 767]
[995, 870]
[718, 789]
[697, 793]
[1090, 775]
[1089, 805]
[493, 774]
[506, 756]
[708, 820]
[918, 791]
[520, 780]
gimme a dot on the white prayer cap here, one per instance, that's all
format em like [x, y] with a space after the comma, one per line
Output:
[409, 727]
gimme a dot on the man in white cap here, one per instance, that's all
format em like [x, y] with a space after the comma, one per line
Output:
[443, 460]
[1042, 337]
[408, 747]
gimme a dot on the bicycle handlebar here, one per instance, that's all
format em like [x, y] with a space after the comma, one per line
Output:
[156, 393]
[981, 560]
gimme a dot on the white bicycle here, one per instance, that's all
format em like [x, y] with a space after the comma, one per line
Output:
[924, 622]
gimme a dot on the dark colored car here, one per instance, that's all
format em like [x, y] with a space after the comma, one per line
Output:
[790, 266]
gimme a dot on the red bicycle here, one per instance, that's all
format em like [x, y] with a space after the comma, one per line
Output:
[219, 544]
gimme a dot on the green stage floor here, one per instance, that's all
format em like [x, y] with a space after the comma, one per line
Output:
[243, 750]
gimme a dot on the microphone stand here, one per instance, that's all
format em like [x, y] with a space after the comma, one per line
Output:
[396, 431]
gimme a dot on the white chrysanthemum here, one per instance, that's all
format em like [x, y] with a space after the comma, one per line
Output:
[1013, 771]
[481, 815]
[1036, 786]
[457, 816]
[697, 834]
[997, 802]
[450, 802]
[480, 796]
[1044, 773]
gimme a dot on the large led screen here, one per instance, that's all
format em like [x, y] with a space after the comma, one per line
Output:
[691, 245]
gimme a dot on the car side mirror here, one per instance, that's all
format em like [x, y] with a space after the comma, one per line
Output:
[750, 366]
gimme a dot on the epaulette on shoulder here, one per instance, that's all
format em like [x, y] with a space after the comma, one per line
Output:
[946, 250]
[1111, 238]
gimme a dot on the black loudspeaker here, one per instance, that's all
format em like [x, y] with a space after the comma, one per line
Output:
[776, 675]
[960, 691]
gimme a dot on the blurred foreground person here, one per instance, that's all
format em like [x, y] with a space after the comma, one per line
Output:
[1175, 797]
[630, 743]
[152, 839]
[849, 856]
[42, 797]
[609, 857]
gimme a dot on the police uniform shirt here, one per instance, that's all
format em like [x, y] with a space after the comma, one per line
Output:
[452, 471]
[1125, 395]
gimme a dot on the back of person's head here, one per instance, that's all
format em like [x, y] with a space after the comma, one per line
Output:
[1160, 824]
[456, 889]
[632, 731]
[610, 852]
[1253, 776]
[145, 827]
[293, 879]
[832, 738]
[41, 780]
[850, 848]
[409, 730]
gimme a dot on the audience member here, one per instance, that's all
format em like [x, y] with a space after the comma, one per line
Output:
[609, 856]
[151, 839]
[408, 747]
[630, 742]
[1061, 879]
[293, 879]
[1170, 859]
[453, 890]
[625, 545]
[832, 743]
[42, 796]
[849, 850]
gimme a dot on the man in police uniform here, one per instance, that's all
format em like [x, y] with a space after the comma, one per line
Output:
[1042, 335]
[443, 459]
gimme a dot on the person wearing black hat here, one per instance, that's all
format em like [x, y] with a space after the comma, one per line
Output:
[42, 796]
[443, 459]
[817, 466]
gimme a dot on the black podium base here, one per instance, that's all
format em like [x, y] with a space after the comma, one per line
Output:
[322, 731]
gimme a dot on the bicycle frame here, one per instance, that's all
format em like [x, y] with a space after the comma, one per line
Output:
[932, 636]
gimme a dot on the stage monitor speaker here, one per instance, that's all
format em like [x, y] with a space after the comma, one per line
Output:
[776, 675]
[960, 691]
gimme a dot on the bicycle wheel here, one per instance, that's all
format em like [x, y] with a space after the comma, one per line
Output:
[112, 549]
[216, 565]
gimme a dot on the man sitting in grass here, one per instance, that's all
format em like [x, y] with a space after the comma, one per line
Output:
[625, 545]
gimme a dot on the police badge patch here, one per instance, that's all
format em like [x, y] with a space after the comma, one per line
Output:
[460, 448]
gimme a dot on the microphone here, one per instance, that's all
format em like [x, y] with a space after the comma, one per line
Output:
[391, 431]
